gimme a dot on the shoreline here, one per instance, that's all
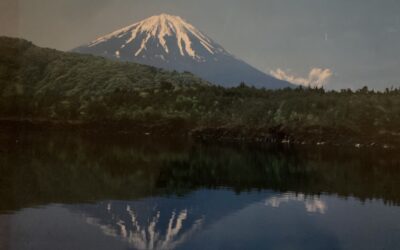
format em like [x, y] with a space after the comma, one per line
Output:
[316, 136]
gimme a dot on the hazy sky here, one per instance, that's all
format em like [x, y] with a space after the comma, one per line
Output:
[349, 43]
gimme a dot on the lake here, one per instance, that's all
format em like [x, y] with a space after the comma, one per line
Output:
[92, 191]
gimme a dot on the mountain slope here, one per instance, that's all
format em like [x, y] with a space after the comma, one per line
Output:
[171, 43]
[39, 82]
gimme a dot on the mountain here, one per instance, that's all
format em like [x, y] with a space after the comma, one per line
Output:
[171, 43]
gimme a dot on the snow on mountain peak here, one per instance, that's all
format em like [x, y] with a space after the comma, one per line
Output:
[162, 27]
[169, 42]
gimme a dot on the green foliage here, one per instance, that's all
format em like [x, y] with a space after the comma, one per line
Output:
[41, 83]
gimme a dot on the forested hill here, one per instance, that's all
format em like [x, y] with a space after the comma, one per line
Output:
[39, 84]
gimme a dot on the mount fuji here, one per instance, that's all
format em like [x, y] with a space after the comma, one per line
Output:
[169, 42]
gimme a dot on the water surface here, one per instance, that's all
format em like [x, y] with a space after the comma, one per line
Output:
[65, 191]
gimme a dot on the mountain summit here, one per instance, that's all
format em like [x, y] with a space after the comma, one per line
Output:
[162, 37]
[170, 42]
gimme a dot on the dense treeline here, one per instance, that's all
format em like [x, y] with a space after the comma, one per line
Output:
[45, 84]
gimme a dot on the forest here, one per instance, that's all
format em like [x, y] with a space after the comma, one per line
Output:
[46, 85]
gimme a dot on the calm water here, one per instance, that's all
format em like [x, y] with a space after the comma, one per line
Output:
[61, 191]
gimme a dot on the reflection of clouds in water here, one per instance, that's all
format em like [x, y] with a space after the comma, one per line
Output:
[311, 204]
[149, 236]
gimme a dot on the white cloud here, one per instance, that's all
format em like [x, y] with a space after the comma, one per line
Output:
[316, 78]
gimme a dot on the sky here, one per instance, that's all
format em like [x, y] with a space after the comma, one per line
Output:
[332, 43]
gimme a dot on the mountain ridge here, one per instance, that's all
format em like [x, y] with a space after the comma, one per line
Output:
[170, 42]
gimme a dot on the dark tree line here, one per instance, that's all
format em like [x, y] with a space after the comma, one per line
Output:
[46, 84]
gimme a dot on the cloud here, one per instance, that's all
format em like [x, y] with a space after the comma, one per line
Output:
[316, 78]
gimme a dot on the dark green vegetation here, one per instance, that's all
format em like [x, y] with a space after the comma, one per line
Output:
[47, 85]
[42, 168]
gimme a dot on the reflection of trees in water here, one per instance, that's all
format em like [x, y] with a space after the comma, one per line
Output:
[70, 168]
[364, 174]
[154, 228]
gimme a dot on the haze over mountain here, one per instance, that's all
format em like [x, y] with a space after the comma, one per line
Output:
[169, 42]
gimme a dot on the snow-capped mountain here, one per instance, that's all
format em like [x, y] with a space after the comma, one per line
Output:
[169, 42]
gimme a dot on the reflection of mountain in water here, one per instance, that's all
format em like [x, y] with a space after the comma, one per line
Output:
[211, 219]
[160, 230]
[165, 223]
